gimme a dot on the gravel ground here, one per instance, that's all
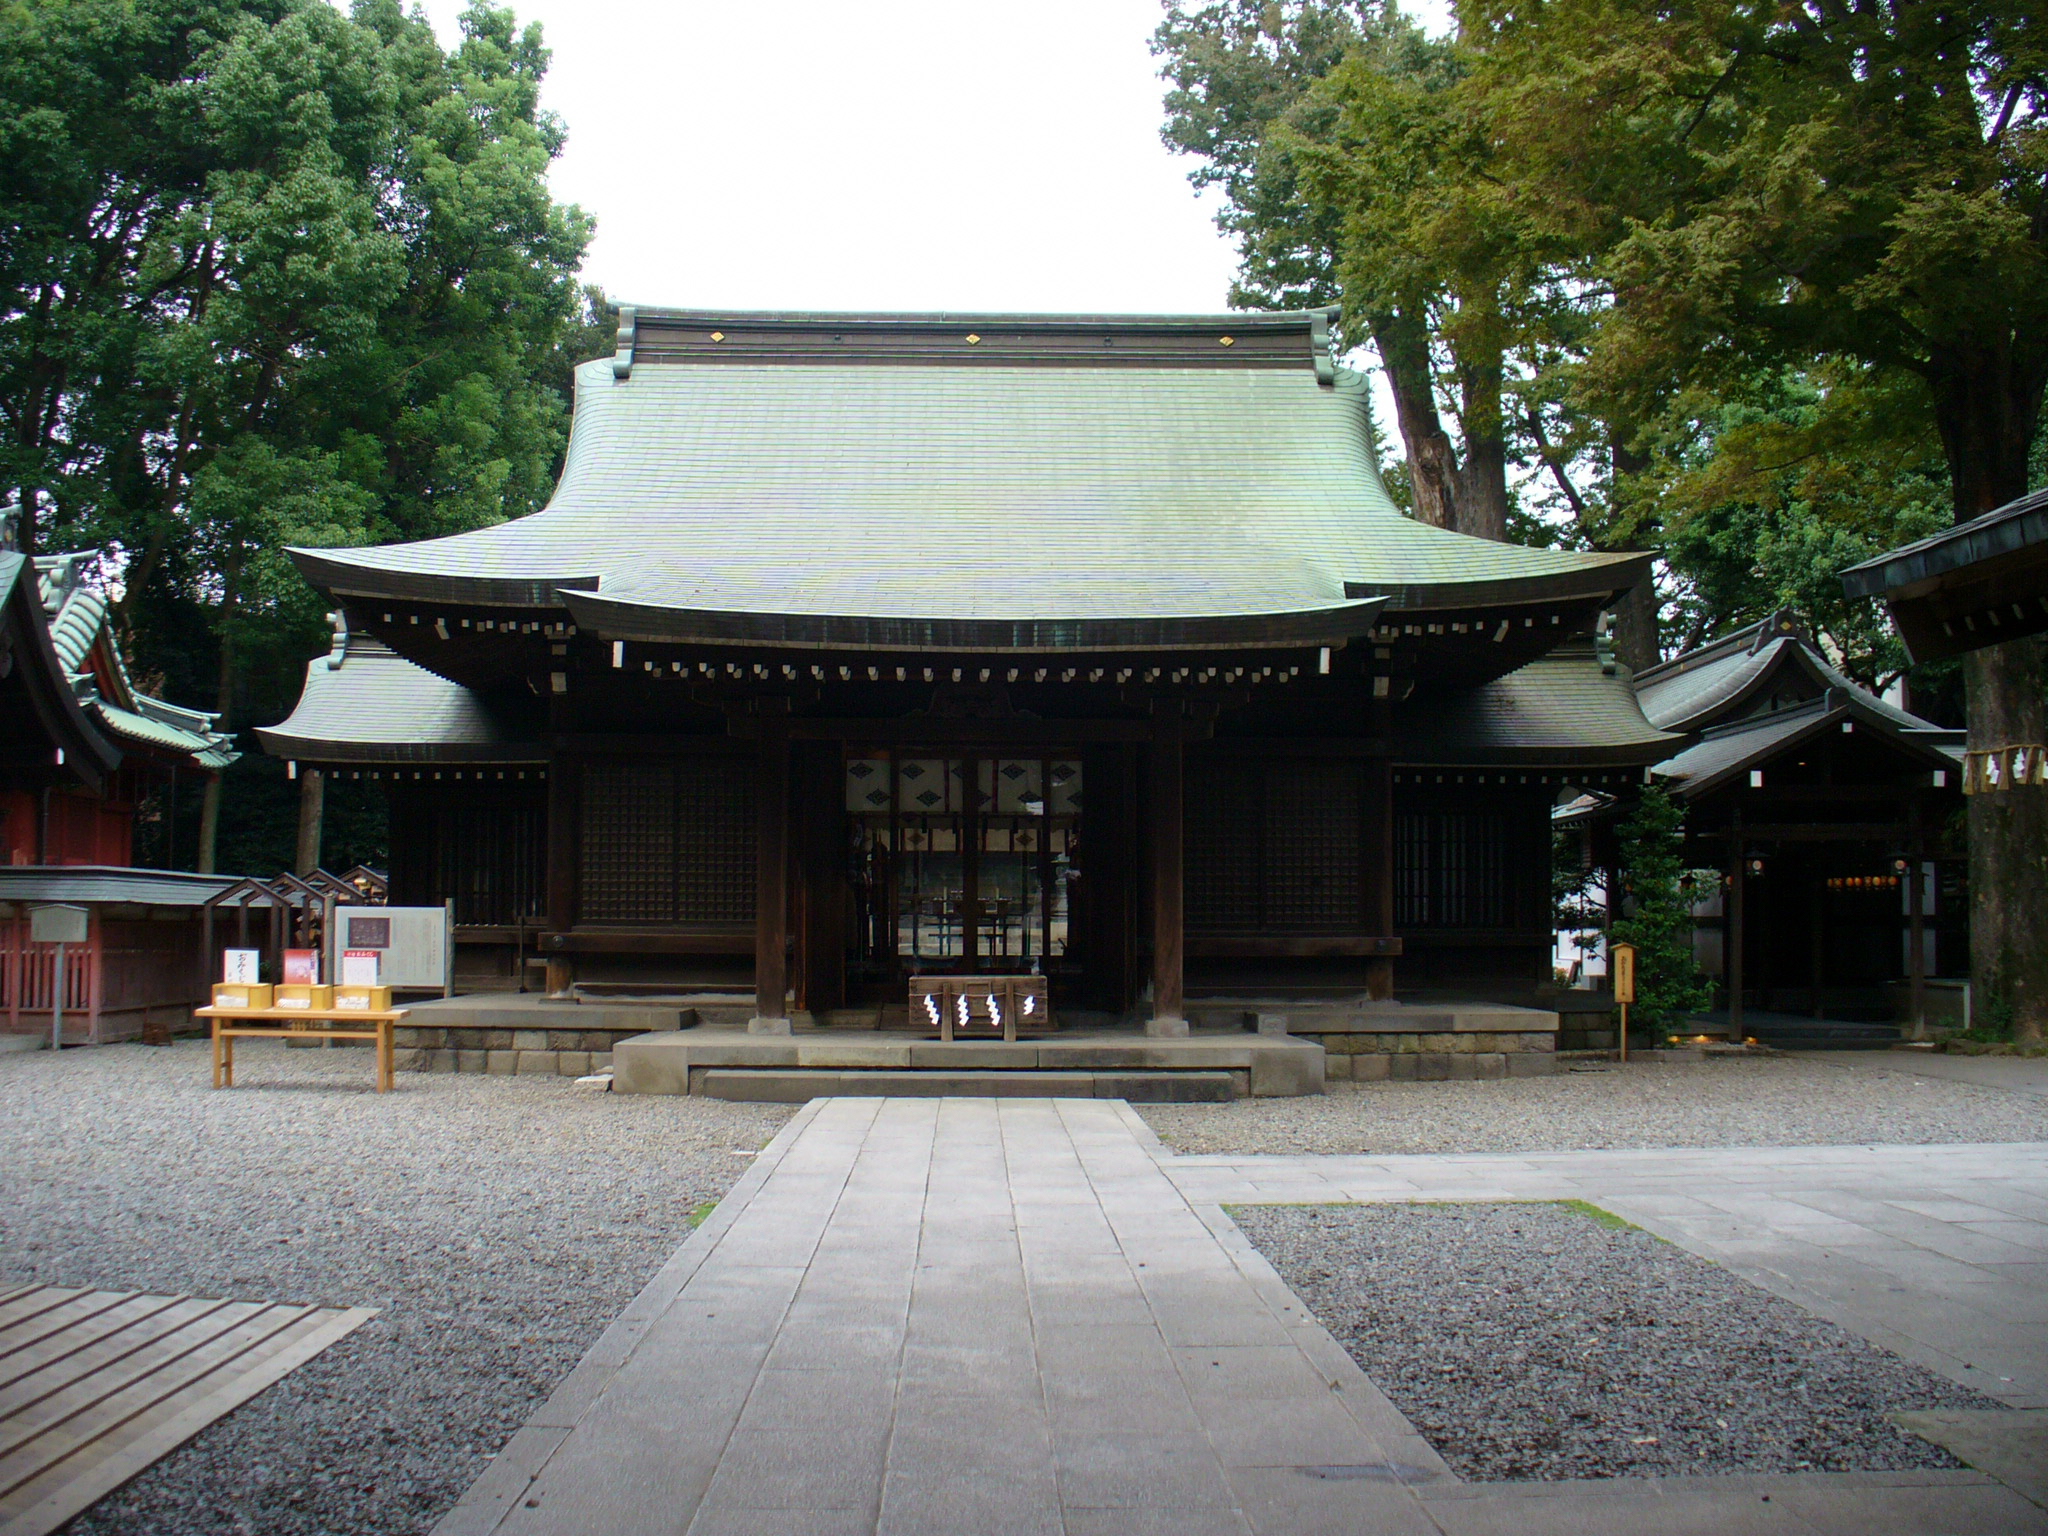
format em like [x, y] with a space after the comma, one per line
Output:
[499, 1222]
[1723, 1102]
[1534, 1342]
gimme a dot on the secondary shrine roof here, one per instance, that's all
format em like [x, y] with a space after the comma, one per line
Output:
[1016, 482]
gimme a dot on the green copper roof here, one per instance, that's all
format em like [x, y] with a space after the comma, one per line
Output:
[1567, 708]
[368, 704]
[817, 491]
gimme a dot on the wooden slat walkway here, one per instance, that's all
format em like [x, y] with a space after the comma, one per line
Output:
[96, 1385]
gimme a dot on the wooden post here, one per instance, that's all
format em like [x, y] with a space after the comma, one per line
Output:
[1164, 797]
[1734, 937]
[1621, 964]
[771, 883]
[565, 793]
[971, 823]
[1916, 928]
[1379, 870]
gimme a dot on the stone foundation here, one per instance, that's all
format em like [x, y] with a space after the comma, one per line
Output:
[507, 1052]
[1395, 1042]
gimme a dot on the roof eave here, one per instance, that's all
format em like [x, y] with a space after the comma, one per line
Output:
[311, 749]
[1601, 576]
[336, 575]
[649, 623]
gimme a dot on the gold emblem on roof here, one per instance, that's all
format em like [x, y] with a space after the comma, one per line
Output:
[973, 340]
[718, 335]
[1226, 341]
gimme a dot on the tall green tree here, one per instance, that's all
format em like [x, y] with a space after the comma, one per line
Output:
[1761, 185]
[271, 274]
[1658, 903]
[1357, 164]
[1330, 126]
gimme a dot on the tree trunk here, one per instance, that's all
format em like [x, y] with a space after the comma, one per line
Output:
[2005, 686]
[1483, 488]
[1403, 345]
[1987, 410]
[209, 823]
[312, 805]
[1638, 639]
[1483, 483]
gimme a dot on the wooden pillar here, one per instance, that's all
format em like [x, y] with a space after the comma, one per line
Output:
[1378, 871]
[1820, 938]
[1164, 796]
[1916, 927]
[564, 808]
[1734, 935]
[970, 864]
[771, 883]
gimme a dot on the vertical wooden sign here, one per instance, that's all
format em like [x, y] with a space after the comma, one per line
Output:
[1621, 969]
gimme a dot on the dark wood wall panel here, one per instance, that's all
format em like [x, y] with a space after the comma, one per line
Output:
[1466, 866]
[1224, 827]
[715, 817]
[629, 842]
[483, 845]
[1274, 846]
[667, 840]
[1312, 845]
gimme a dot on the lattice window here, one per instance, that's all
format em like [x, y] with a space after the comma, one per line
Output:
[629, 842]
[1273, 846]
[1223, 822]
[668, 842]
[715, 873]
[1312, 845]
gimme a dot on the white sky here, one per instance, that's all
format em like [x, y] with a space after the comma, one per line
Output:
[906, 154]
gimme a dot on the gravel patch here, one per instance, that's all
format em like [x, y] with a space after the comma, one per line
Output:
[499, 1223]
[1535, 1342]
[1724, 1102]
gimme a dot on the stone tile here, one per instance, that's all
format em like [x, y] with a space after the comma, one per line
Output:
[1120, 1470]
[1351, 1500]
[842, 1404]
[1564, 1510]
[1239, 1372]
[742, 1521]
[963, 1498]
[1156, 1520]
[1985, 1510]
[785, 1470]
[1285, 1432]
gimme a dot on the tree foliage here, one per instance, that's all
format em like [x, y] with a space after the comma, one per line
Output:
[271, 274]
[1657, 902]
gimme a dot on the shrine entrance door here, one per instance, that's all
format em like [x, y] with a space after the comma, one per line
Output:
[962, 863]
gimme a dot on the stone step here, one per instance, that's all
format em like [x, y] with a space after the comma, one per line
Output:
[798, 1085]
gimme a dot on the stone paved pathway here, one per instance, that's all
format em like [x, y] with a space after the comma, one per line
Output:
[968, 1316]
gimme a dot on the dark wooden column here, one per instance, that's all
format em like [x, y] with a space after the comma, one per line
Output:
[1163, 800]
[1734, 934]
[564, 811]
[1377, 850]
[771, 881]
[1916, 923]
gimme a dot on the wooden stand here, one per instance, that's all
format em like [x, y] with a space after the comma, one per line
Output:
[978, 1005]
[231, 1024]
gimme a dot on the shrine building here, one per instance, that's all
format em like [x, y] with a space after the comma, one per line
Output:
[853, 648]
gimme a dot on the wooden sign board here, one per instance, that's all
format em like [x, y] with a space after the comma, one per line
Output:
[1621, 967]
[58, 923]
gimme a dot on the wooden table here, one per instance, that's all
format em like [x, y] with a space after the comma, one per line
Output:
[231, 1024]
